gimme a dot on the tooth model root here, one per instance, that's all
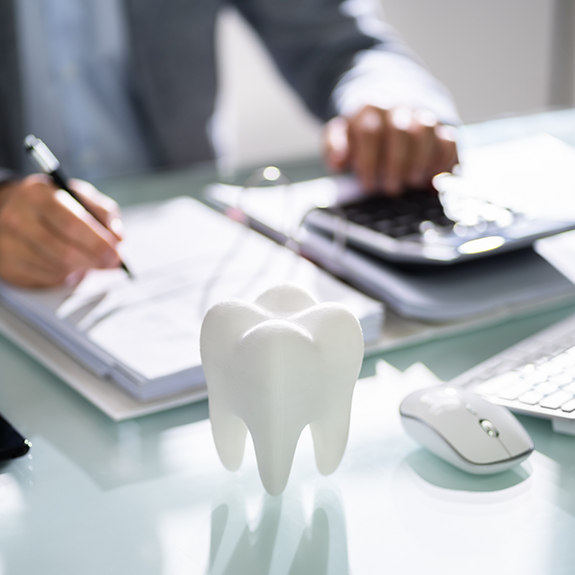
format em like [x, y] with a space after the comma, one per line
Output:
[229, 434]
[275, 452]
[274, 367]
[330, 438]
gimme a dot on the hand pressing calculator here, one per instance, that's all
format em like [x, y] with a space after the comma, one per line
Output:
[430, 227]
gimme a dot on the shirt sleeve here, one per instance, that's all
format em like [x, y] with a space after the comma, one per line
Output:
[340, 55]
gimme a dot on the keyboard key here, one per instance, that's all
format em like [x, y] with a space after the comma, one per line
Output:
[537, 373]
[528, 368]
[564, 360]
[551, 349]
[531, 398]
[504, 365]
[550, 368]
[496, 384]
[472, 381]
[515, 390]
[546, 388]
[556, 400]
[560, 379]
[492, 370]
[535, 377]
[569, 406]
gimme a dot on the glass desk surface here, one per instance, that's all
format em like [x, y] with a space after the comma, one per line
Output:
[150, 496]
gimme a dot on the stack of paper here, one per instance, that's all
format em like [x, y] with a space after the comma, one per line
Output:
[143, 334]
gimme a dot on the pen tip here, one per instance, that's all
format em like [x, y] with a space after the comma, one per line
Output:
[128, 272]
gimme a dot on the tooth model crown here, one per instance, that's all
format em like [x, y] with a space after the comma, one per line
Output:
[274, 367]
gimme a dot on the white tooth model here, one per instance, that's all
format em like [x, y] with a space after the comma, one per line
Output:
[274, 367]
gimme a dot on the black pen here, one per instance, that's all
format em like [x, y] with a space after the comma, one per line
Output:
[49, 165]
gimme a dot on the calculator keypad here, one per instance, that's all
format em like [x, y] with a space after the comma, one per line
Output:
[397, 217]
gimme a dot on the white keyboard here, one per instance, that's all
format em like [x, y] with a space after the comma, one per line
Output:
[535, 376]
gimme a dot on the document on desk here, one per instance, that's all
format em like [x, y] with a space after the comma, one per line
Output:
[143, 333]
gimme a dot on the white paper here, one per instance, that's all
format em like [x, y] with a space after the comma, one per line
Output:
[283, 208]
[534, 175]
[185, 257]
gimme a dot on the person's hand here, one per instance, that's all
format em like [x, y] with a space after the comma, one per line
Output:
[390, 150]
[46, 235]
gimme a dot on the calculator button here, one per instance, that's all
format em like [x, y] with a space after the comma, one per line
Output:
[384, 226]
[406, 220]
[443, 221]
[399, 231]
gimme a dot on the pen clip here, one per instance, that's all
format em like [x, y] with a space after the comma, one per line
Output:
[45, 159]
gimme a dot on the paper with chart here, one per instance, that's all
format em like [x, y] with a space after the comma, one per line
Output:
[144, 333]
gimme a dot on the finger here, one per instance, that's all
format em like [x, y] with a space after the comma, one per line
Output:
[336, 144]
[30, 253]
[102, 207]
[51, 248]
[366, 132]
[24, 226]
[446, 150]
[34, 249]
[67, 219]
[422, 149]
[23, 266]
[395, 151]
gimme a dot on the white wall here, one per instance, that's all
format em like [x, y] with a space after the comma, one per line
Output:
[495, 56]
[256, 106]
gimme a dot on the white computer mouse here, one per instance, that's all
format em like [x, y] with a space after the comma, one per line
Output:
[465, 429]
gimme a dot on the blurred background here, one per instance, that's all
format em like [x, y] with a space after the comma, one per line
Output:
[498, 58]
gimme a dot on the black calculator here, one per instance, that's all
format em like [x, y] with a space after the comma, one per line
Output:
[430, 227]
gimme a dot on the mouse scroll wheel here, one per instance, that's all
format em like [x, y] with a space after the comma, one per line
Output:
[489, 428]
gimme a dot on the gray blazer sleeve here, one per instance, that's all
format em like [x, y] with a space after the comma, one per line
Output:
[7, 176]
[339, 56]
